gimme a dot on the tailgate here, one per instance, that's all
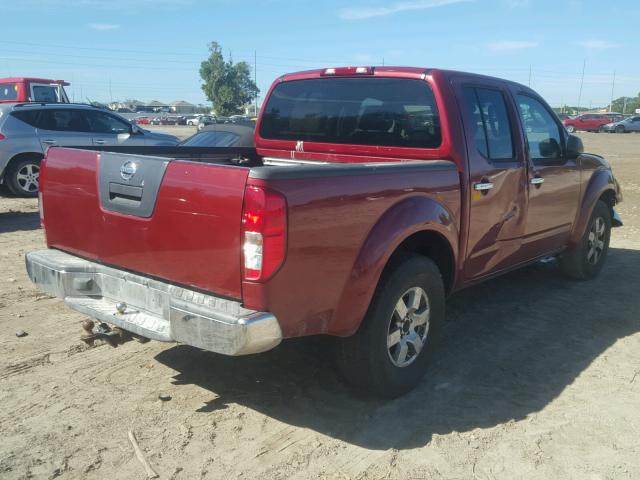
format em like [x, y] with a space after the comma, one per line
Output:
[172, 219]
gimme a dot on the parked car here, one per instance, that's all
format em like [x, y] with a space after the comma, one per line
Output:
[629, 124]
[221, 136]
[371, 195]
[142, 120]
[191, 120]
[27, 130]
[591, 122]
[205, 120]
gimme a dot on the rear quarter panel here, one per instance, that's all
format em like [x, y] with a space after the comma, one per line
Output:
[331, 257]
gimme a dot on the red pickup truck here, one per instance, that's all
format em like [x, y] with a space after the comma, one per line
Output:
[372, 194]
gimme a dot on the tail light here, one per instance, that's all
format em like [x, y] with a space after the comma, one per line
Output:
[264, 232]
[2, 137]
[348, 71]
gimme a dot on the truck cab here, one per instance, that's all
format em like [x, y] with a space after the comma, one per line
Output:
[29, 89]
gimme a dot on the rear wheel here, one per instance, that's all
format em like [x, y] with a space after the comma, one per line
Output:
[390, 352]
[620, 129]
[571, 129]
[22, 177]
[586, 259]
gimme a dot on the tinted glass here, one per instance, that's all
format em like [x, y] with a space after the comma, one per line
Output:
[27, 116]
[8, 91]
[211, 139]
[43, 93]
[477, 126]
[543, 133]
[492, 128]
[101, 122]
[364, 111]
[70, 120]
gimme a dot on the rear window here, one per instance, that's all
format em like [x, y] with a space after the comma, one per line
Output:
[211, 139]
[8, 91]
[45, 93]
[27, 116]
[363, 111]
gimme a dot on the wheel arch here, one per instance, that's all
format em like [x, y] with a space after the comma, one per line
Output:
[419, 225]
[602, 186]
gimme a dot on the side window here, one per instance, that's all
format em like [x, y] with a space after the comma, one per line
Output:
[67, 120]
[543, 133]
[104, 123]
[29, 117]
[492, 133]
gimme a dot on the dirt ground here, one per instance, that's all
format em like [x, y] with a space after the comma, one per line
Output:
[539, 378]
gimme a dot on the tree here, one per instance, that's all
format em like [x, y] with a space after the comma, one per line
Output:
[227, 85]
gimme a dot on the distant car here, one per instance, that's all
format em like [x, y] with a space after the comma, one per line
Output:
[205, 120]
[630, 124]
[563, 116]
[227, 135]
[141, 120]
[590, 122]
[192, 120]
[28, 129]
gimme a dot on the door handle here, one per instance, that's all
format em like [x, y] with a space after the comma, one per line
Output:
[100, 142]
[483, 186]
[49, 142]
[537, 181]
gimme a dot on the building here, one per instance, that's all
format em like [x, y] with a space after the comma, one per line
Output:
[180, 106]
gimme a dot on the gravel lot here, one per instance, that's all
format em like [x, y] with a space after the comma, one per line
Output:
[539, 378]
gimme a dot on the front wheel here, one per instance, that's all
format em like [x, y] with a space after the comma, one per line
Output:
[390, 352]
[619, 129]
[22, 177]
[586, 259]
[571, 129]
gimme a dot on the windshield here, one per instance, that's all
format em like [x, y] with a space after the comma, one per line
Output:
[364, 111]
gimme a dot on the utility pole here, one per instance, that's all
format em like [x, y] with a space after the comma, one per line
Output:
[110, 93]
[255, 77]
[529, 76]
[613, 84]
[383, 61]
[624, 105]
[584, 64]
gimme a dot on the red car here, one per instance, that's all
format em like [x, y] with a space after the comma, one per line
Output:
[142, 120]
[590, 122]
[371, 196]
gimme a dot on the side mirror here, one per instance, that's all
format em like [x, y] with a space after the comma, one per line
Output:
[135, 130]
[574, 147]
[549, 148]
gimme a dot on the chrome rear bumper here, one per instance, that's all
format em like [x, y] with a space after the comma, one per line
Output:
[153, 309]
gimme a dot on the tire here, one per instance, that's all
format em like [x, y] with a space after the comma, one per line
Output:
[585, 260]
[366, 360]
[571, 129]
[601, 129]
[620, 129]
[22, 177]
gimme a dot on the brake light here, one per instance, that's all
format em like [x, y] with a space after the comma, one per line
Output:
[264, 232]
[2, 137]
[348, 71]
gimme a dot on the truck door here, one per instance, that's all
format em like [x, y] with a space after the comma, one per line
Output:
[497, 177]
[554, 180]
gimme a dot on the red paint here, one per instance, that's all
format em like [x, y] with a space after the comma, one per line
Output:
[23, 87]
[339, 231]
[192, 238]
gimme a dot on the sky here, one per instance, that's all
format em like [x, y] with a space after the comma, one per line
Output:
[152, 49]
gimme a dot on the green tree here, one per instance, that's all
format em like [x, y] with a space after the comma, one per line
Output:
[226, 84]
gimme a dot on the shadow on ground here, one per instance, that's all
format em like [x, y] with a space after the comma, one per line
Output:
[511, 346]
[19, 221]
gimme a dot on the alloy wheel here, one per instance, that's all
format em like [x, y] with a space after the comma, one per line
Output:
[408, 327]
[27, 177]
[595, 240]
